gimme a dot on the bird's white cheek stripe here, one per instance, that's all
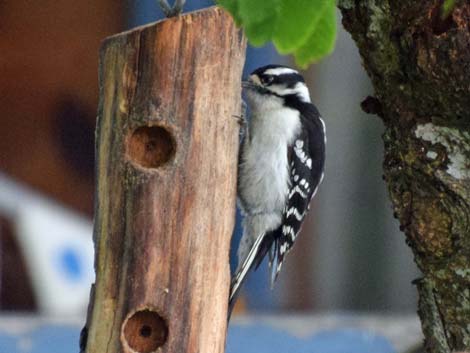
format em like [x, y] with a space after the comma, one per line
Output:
[280, 71]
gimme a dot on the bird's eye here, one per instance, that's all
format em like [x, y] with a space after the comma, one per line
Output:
[268, 79]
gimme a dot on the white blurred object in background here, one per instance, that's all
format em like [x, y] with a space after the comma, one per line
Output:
[57, 246]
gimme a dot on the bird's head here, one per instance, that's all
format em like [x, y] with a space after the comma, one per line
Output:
[275, 83]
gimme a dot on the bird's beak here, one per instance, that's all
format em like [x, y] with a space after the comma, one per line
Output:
[247, 84]
[252, 82]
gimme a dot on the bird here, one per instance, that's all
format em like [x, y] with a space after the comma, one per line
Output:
[281, 165]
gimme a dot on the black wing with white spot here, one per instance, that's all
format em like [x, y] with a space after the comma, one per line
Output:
[306, 163]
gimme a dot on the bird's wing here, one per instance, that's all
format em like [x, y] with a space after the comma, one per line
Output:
[306, 164]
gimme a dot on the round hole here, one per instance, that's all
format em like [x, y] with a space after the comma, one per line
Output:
[145, 331]
[151, 146]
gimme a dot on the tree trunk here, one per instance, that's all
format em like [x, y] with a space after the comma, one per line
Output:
[419, 63]
[167, 146]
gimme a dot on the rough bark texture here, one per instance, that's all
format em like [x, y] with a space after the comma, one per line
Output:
[167, 146]
[419, 64]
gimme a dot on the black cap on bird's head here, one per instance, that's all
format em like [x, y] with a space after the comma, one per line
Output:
[277, 80]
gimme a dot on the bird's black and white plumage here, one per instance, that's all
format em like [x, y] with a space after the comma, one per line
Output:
[281, 165]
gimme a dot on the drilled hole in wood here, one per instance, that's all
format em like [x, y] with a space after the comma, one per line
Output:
[151, 146]
[145, 331]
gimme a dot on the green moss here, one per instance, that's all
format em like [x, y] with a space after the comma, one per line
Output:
[380, 25]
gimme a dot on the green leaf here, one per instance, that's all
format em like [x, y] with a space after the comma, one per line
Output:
[259, 33]
[232, 7]
[296, 21]
[257, 11]
[322, 40]
[305, 28]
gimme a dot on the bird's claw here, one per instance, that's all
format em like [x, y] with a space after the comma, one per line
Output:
[241, 119]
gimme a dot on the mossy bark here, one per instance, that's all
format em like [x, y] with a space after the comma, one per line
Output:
[419, 63]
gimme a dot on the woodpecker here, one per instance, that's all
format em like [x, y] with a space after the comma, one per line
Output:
[281, 165]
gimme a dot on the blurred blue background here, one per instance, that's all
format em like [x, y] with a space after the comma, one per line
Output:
[258, 336]
[350, 256]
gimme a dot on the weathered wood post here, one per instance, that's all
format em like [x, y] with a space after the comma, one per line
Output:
[167, 147]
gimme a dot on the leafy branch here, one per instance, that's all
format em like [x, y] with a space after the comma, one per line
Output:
[304, 28]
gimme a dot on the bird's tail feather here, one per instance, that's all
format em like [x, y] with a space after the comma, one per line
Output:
[240, 275]
[274, 262]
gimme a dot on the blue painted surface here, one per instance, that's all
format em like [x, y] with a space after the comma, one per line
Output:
[253, 338]
[8, 344]
[70, 264]
[46, 339]
[262, 339]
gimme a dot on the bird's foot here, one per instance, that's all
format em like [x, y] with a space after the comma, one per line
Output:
[241, 119]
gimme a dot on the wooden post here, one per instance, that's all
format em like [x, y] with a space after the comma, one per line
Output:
[167, 146]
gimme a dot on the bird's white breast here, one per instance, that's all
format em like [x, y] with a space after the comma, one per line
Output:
[264, 169]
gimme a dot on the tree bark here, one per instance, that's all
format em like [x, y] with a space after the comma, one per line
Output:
[419, 63]
[167, 146]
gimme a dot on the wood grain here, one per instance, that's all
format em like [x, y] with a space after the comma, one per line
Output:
[163, 224]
